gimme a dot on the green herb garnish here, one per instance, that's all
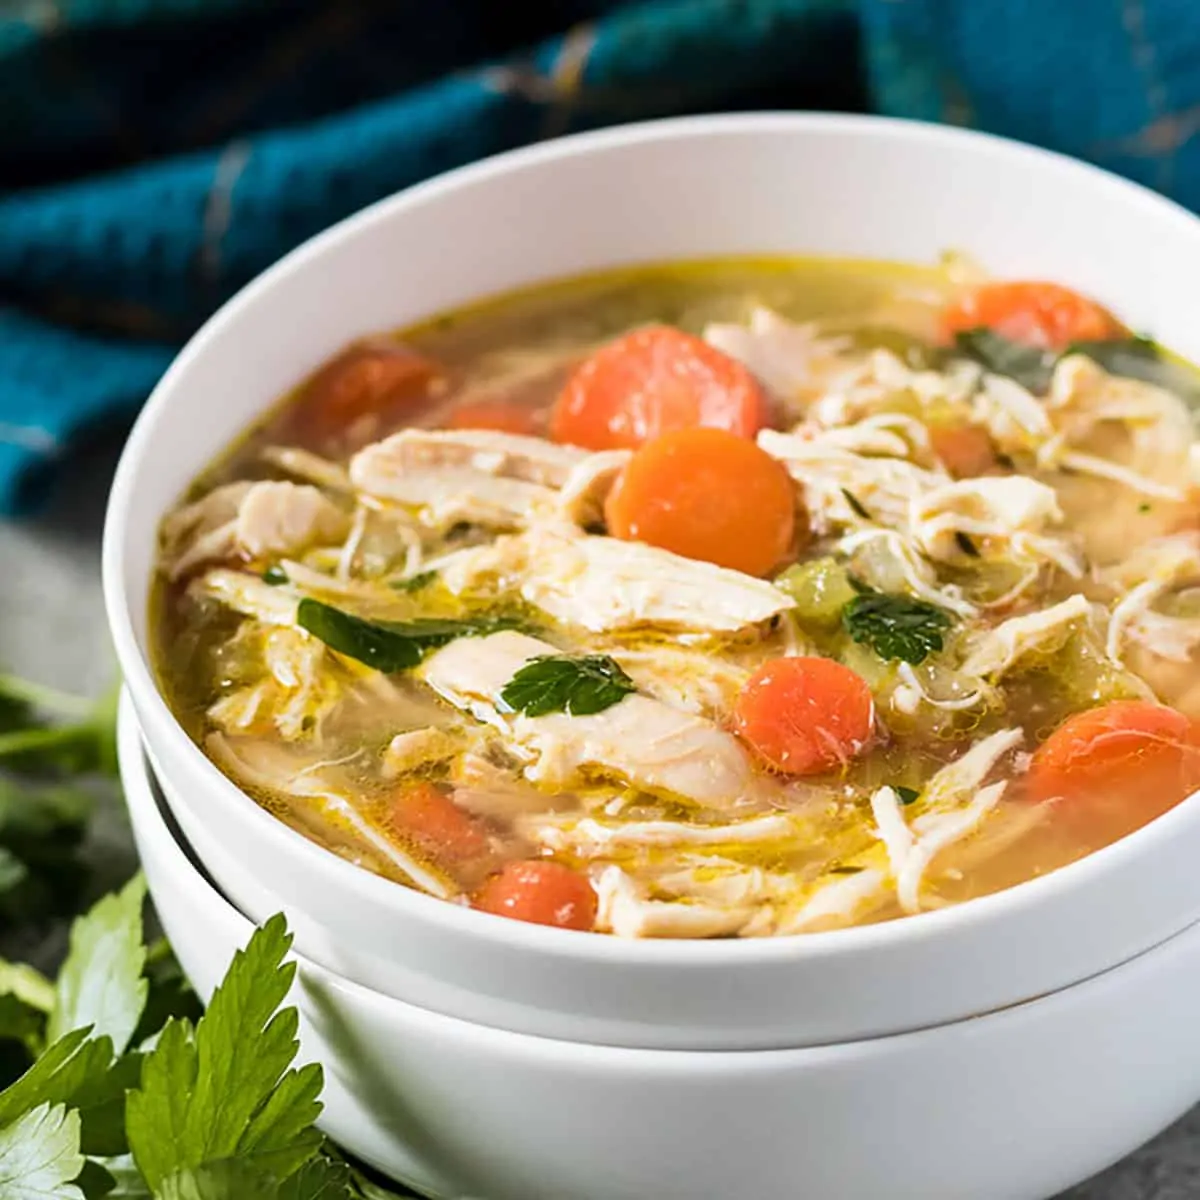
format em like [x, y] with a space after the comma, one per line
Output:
[1144, 507]
[965, 544]
[1030, 366]
[1133, 358]
[388, 646]
[275, 575]
[414, 583]
[558, 683]
[896, 627]
[856, 504]
[906, 795]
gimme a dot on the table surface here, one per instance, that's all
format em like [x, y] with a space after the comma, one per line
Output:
[52, 629]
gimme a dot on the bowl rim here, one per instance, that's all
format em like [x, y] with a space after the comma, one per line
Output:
[137, 776]
[408, 903]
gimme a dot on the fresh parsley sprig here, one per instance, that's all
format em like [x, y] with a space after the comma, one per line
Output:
[896, 627]
[1032, 367]
[388, 646]
[559, 683]
[214, 1110]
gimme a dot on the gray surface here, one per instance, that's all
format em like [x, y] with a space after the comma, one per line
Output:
[52, 629]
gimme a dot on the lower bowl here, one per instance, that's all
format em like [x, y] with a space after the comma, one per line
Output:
[1016, 1105]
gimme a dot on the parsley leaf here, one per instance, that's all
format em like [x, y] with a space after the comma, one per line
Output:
[965, 544]
[235, 1179]
[1133, 358]
[224, 1090]
[558, 683]
[896, 627]
[856, 505]
[1030, 366]
[100, 984]
[87, 743]
[414, 583]
[39, 1155]
[906, 795]
[275, 575]
[387, 646]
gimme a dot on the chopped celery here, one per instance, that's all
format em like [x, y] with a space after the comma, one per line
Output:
[821, 589]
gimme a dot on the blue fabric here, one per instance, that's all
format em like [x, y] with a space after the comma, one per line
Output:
[157, 154]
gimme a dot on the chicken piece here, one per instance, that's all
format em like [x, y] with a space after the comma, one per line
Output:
[1171, 561]
[837, 903]
[997, 651]
[840, 485]
[306, 465]
[880, 380]
[625, 911]
[281, 518]
[960, 780]
[606, 585]
[497, 479]
[638, 740]
[884, 435]
[952, 807]
[691, 680]
[202, 531]
[889, 562]
[418, 748]
[590, 838]
[300, 691]
[263, 766]
[938, 832]
[1011, 512]
[790, 359]
[246, 594]
[712, 879]
[1121, 429]
[250, 520]
[584, 491]
[1015, 419]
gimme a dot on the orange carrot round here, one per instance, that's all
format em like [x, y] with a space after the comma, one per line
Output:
[1146, 753]
[706, 494]
[805, 715]
[1039, 314]
[966, 451]
[379, 378]
[500, 416]
[651, 381]
[542, 892]
[428, 817]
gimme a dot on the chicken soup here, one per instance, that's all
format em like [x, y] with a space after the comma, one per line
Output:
[735, 598]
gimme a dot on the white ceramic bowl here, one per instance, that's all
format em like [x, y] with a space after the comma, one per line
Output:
[675, 189]
[1012, 1106]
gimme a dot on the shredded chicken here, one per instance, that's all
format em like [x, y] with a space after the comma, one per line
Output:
[999, 650]
[255, 521]
[604, 585]
[637, 740]
[266, 767]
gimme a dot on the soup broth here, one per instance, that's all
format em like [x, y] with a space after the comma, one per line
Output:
[732, 598]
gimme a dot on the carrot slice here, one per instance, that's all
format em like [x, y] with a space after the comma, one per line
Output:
[706, 494]
[501, 416]
[651, 381]
[1146, 755]
[966, 451]
[542, 892]
[432, 820]
[805, 715]
[379, 379]
[1040, 314]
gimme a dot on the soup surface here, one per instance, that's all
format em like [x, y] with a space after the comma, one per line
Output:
[745, 597]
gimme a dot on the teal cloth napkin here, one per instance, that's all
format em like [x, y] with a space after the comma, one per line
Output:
[157, 154]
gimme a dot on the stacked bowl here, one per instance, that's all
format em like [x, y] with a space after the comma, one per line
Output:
[1000, 1050]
